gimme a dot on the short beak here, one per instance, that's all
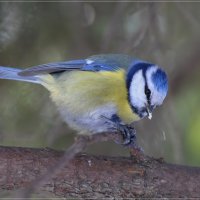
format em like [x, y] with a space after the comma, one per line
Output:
[149, 112]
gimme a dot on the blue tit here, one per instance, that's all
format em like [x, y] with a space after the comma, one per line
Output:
[102, 93]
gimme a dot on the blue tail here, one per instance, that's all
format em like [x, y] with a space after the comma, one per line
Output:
[12, 74]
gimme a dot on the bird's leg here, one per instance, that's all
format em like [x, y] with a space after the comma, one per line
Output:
[129, 140]
[129, 136]
[128, 132]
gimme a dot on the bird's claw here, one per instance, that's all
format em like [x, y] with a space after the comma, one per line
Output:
[128, 133]
[129, 138]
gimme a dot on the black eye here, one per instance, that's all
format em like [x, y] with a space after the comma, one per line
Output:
[147, 92]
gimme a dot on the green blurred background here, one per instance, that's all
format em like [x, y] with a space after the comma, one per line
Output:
[164, 33]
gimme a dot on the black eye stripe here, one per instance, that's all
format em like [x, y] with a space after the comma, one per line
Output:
[147, 92]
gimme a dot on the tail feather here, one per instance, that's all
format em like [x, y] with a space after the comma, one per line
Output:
[12, 74]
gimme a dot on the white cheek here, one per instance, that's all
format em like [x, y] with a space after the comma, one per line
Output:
[136, 90]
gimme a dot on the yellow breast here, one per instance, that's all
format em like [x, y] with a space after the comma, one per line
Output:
[83, 91]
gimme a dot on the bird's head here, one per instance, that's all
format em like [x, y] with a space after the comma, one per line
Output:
[147, 87]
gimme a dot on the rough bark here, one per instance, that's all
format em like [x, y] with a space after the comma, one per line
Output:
[98, 176]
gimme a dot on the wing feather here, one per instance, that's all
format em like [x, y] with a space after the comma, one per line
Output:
[94, 63]
[53, 67]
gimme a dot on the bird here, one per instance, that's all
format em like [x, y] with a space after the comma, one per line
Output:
[102, 93]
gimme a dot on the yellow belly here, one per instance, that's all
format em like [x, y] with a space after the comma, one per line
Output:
[80, 92]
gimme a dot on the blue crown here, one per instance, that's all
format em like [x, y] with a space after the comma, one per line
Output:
[159, 78]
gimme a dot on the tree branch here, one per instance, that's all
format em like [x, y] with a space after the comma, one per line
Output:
[97, 176]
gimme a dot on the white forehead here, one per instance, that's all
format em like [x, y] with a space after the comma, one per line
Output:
[156, 96]
[149, 74]
[136, 90]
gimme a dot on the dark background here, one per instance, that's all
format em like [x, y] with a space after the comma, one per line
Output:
[163, 33]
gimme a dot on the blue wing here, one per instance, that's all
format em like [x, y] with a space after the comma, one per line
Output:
[110, 62]
[53, 67]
